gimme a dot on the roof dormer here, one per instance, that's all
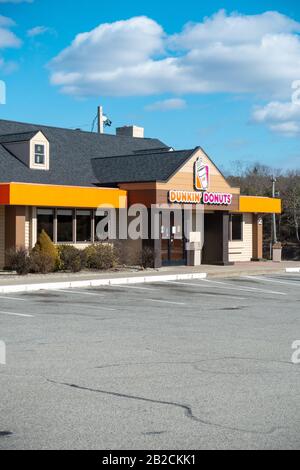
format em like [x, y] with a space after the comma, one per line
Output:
[32, 148]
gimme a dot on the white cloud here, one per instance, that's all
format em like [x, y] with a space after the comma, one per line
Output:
[112, 59]
[167, 105]
[279, 117]
[7, 37]
[38, 31]
[7, 22]
[234, 53]
[7, 40]
[234, 29]
[277, 111]
[290, 129]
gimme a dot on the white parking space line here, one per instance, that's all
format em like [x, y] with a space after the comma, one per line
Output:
[101, 307]
[225, 286]
[78, 292]
[244, 288]
[231, 297]
[275, 281]
[4, 297]
[164, 302]
[133, 287]
[16, 314]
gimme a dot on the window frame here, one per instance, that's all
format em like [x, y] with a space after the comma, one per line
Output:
[92, 218]
[241, 216]
[55, 212]
[44, 154]
[41, 140]
[71, 242]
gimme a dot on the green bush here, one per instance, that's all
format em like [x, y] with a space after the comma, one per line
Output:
[41, 262]
[101, 256]
[71, 259]
[83, 258]
[47, 249]
[18, 260]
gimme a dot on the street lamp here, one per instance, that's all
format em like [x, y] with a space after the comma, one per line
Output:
[274, 181]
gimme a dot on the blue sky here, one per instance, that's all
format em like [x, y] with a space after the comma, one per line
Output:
[188, 72]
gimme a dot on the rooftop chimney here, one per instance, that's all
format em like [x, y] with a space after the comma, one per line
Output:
[130, 131]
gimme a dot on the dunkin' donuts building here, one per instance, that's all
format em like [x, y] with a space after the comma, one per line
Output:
[55, 179]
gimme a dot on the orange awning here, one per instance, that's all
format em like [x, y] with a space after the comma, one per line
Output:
[24, 194]
[260, 205]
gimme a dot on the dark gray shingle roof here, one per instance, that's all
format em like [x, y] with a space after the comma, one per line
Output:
[71, 154]
[21, 137]
[144, 167]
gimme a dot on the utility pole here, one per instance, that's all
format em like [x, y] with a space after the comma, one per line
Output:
[274, 181]
[100, 120]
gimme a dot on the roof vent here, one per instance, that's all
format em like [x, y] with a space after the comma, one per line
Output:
[130, 131]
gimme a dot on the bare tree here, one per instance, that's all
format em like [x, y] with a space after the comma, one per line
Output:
[291, 195]
[257, 180]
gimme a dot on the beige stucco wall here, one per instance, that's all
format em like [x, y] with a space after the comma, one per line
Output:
[2, 236]
[243, 250]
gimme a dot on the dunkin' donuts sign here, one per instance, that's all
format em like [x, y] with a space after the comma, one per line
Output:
[191, 197]
[201, 195]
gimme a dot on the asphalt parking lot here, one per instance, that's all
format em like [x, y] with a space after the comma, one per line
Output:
[179, 365]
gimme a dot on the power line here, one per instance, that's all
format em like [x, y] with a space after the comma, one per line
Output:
[94, 123]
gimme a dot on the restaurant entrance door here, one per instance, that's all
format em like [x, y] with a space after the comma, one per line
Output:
[173, 242]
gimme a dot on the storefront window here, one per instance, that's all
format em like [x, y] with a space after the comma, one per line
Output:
[236, 227]
[83, 226]
[65, 226]
[59, 224]
[45, 218]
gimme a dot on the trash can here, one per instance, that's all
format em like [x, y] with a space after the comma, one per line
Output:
[194, 254]
[277, 253]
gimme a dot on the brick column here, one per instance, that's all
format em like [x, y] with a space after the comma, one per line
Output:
[2, 236]
[15, 217]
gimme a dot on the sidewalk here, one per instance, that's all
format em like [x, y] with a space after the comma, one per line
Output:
[252, 268]
[12, 283]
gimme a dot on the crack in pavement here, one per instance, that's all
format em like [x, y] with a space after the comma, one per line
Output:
[109, 366]
[236, 374]
[254, 359]
[186, 408]
[5, 433]
[194, 363]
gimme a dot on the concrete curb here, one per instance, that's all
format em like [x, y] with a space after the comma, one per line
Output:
[292, 270]
[254, 272]
[99, 282]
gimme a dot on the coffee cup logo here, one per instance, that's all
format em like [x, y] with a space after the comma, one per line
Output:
[201, 175]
